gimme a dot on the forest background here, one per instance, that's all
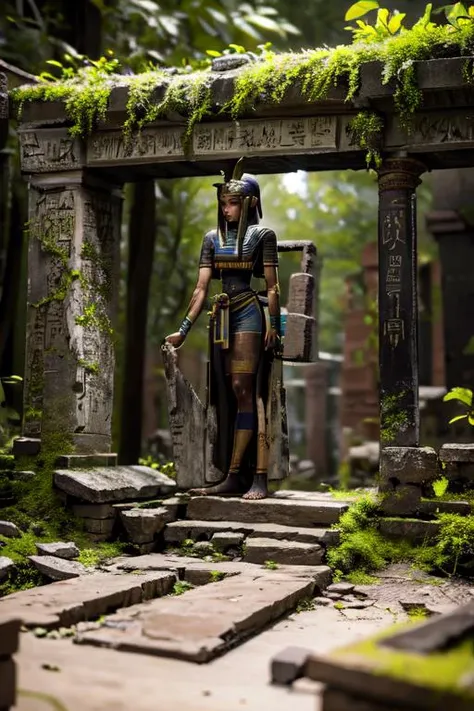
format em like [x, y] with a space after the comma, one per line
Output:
[164, 220]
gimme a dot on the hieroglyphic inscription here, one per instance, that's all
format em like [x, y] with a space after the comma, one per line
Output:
[48, 150]
[149, 144]
[433, 129]
[393, 240]
[284, 136]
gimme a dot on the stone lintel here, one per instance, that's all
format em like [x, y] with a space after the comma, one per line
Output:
[113, 484]
[49, 150]
[26, 446]
[409, 465]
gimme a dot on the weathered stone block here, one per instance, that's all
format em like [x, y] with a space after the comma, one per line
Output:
[457, 453]
[26, 446]
[463, 508]
[259, 550]
[288, 665]
[9, 530]
[409, 465]
[300, 338]
[410, 529]
[224, 540]
[301, 298]
[142, 525]
[57, 568]
[67, 551]
[103, 526]
[109, 484]
[97, 511]
[402, 500]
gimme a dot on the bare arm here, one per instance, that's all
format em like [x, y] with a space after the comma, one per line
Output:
[273, 291]
[195, 306]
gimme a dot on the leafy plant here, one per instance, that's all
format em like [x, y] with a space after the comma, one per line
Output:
[180, 587]
[440, 486]
[464, 397]
[270, 565]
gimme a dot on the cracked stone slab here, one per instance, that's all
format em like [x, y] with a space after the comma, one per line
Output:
[102, 485]
[203, 622]
[65, 603]
[259, 550]
[285, 512]
[68, 550]
[57, 568]
[178, 531]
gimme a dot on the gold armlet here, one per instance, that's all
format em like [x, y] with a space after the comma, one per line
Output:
[274, 289]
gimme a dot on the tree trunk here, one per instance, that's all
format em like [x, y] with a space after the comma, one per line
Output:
[141, 246]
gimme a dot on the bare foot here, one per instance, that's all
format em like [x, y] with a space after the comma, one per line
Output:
[232, 484]
[258, 489]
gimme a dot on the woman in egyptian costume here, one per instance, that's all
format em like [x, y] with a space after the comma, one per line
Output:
[244, 336]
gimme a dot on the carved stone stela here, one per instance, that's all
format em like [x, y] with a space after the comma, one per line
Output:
[74, 236]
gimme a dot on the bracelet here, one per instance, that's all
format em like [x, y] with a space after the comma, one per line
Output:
[275, 322]
[185, 326]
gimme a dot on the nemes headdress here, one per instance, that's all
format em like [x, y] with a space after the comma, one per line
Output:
[245, 186]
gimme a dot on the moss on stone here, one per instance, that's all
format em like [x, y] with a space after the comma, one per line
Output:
[438, 671]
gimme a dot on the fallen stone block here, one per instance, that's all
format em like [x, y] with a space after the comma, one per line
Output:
[68, 602]
[57, 568]
[288, 665]
[7, 566]
[68, 551]
[142, 525]
[113, 484]
[259, 550]
[9, 530]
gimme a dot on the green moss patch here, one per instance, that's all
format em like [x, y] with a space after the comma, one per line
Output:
[439, 671]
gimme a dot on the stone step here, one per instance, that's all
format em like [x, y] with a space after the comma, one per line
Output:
[296, 513]
[179, 531]
[204, 622]
[262, 550]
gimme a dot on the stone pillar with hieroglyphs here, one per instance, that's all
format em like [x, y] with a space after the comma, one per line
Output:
[73, 261]
[398, 307]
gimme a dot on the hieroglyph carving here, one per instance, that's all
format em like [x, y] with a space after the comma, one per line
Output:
[442, 130]
[49, 150]
[281, 136]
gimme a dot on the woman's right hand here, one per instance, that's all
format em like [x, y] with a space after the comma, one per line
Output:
[175, 339]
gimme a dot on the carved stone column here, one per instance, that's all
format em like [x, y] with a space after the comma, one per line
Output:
[398, 308]
[73, 261]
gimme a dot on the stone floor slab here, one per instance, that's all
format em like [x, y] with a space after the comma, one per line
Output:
[102, 485]
[67, 602]
[286, 512]
[204, 622]
[178, 531]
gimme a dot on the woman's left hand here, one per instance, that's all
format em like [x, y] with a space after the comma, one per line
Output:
[271, 338]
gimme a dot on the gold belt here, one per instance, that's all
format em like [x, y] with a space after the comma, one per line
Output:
[220, 314]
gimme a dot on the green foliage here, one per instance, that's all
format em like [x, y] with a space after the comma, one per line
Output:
[169, 468]
[270, 565]
[358, 577]
[100, 552]
[440, 486]
[464, 397]
[216, 576]
[394, 418]
[307, 604]
[367, 129]
[180, 587]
